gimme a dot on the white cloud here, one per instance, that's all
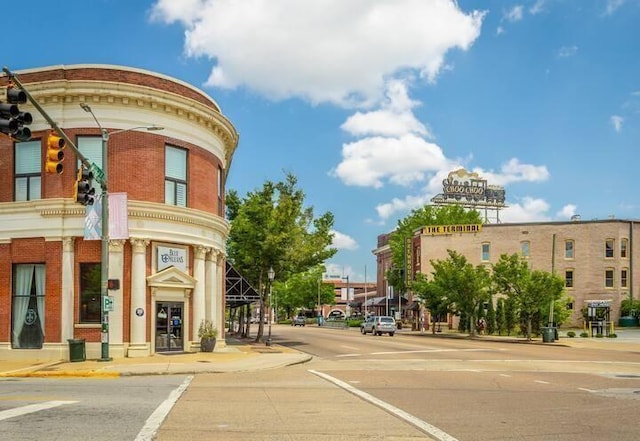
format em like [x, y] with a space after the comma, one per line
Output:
[567, 211]
[402, 161]
[613, 5]
[617, 122]
[510, 172]
[538, 7]
[514, 171]
[324, 51]
[500, 30]
[393, 119]
[514, 14]
[567, 51]
[528, 210]
[343, 242]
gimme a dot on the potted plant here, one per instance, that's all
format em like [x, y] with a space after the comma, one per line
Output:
[207, 334]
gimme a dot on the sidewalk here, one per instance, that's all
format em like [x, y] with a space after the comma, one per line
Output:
[240, 356]
[237, 356]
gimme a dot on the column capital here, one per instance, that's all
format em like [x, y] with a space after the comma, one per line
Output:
[116, 245]
[214, 254]
[199, 251]
[67, 244]
[139, 245]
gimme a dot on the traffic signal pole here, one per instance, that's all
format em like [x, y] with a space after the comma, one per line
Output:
[85, 162]
[102, 180]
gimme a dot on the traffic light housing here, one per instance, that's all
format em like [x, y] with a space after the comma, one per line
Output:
[12, 119]
[84, 193]
[55, 155]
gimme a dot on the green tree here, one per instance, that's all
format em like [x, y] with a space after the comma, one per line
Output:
[501, 319]
[462, 284]
[302, 291]
[511, 316]
[271, 228]
[433, 298]
[532, 291]
[491, 318]
[427, 215]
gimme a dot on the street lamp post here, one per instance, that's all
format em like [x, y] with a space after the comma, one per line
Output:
[271, 274]
[104, 264]
[346, 307]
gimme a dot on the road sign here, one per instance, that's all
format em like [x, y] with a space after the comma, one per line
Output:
[97, 172]
[107, 303]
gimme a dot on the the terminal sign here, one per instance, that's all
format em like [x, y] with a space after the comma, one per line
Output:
[452, 229]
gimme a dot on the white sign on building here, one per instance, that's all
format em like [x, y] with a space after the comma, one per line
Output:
[171, 256]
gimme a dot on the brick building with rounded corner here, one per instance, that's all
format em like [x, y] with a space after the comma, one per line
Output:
[166, 192]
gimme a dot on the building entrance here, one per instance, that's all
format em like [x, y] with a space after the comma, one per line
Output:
[169, 332]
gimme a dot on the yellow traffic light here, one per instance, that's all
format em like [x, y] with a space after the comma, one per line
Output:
[55, 155]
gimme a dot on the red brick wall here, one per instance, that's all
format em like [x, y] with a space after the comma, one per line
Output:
[53, 291]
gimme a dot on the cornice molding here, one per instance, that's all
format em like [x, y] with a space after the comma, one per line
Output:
[132, 96]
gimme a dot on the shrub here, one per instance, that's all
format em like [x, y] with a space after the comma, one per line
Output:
[598, 335]
[613, 335]
[584, 334]
[571, 334]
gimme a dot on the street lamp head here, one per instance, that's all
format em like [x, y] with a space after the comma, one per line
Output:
[154, 128]
[271, 274]
[85, 107]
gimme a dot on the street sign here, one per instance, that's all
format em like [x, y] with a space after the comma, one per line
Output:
[97, 172]
[107, 303]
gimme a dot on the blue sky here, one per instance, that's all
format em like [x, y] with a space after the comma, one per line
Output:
[371, 103]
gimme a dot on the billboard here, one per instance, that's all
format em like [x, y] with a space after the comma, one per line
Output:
[471, 191]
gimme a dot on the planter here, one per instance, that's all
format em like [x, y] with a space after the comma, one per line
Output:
[207, 344]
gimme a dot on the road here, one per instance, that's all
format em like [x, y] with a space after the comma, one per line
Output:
[356, 388]
[81, 409]
[407, 387]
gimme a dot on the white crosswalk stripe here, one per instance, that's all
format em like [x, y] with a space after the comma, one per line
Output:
[19, 411]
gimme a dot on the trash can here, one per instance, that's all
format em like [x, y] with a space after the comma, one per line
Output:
[548, 334]
[628, 321]
[77, 350]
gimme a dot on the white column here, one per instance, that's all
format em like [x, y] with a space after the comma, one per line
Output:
[219, 296]
[215, 312]
[139, 346]
[68, 273]
[116, 317]
[199, 302]
[210, 286]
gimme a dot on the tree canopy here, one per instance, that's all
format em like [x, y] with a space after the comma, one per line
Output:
[271, 228]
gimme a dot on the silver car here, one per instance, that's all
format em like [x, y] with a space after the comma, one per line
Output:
[378, 325]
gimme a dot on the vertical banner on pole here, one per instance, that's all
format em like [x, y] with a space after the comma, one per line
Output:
[92, 220]
[118, 216]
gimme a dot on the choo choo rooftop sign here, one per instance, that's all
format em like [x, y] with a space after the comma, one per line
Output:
[469, 189]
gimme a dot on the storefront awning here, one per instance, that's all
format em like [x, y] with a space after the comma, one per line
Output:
[239, 291]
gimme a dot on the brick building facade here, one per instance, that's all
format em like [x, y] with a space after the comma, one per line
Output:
[596, 258]
[171, 260]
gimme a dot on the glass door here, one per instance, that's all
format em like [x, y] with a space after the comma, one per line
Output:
[169, 319]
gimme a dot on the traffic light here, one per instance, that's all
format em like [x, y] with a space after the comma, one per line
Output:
[55, 155]
[12, 119]
[84, 192]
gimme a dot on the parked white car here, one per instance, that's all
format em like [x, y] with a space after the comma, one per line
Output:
[378, 325]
